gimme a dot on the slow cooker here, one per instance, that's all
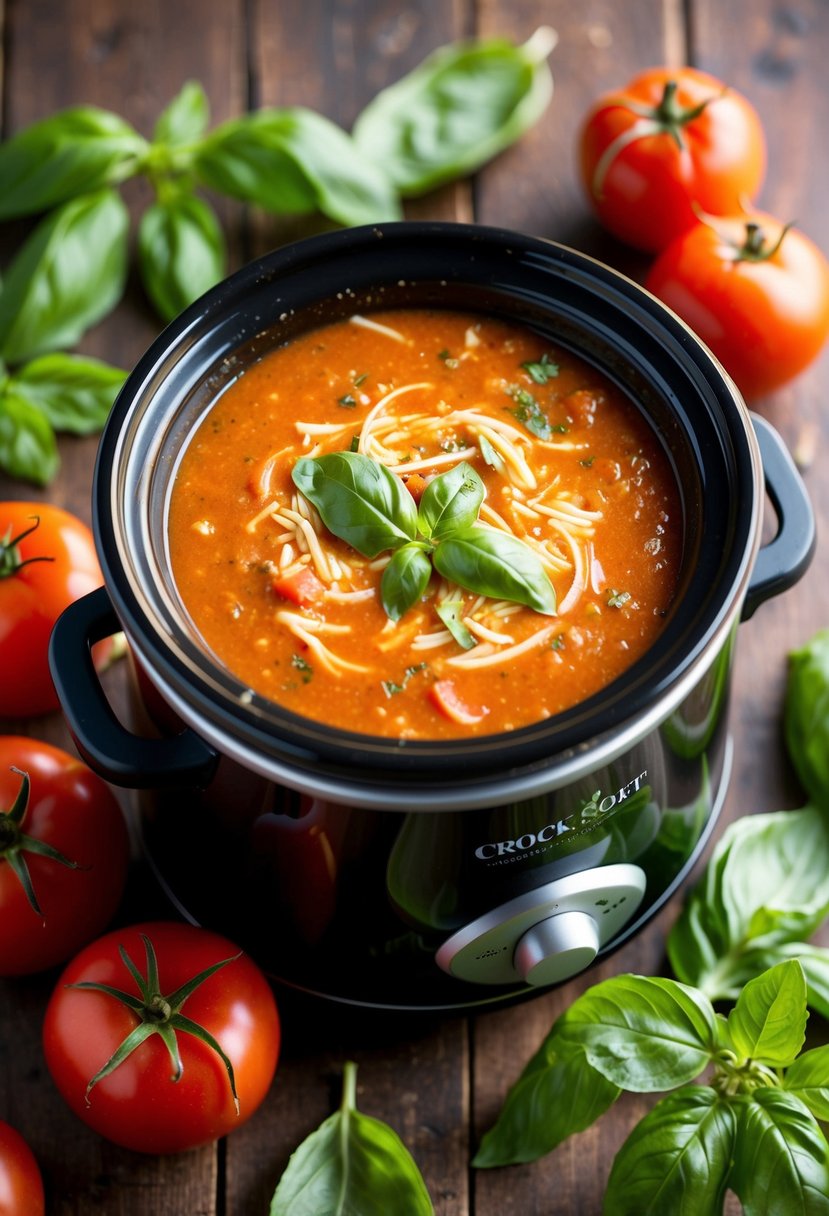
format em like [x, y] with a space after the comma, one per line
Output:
[414, 874]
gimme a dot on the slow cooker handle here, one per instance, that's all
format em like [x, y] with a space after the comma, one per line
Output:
[785, 559]
[104, 743]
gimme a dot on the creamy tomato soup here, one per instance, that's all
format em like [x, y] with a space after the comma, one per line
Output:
[568, 469]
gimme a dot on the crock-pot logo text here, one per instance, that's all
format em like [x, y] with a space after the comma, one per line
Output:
[585, 819]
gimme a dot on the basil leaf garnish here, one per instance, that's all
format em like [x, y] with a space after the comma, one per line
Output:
[404, 580]
[449, 612]
[359, 500]
[451, 502]
[496, 565]
[768, 1023]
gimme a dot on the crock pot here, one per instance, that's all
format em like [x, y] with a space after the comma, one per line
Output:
[415, 874]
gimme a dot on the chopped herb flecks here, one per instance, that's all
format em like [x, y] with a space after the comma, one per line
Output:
[391, 689]
[348, 402]
[302, 666]
[542, 371]
[617, 599]
[446, 357]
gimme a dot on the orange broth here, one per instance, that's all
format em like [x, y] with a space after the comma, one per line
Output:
[295, 612]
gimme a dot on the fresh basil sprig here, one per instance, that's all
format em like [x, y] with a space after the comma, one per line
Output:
[366, 505]
[352, 1163]
[752, 1126]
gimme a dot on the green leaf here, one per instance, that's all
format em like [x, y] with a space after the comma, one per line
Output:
[69, 274]
[185, 119]
[557, 1094]
[73, 392]
[450, 502]
[449, 612]
[76, 151]
[464, 104]
[806, 716]
[28, 449]
[294, 160]
[781, 1159]
[181, 251]
[359, 500]
[808, 1079]
[493, 563]
[352, 1165]
[642, 1033]
[768, 1023]
[676, 1160]
[404, 580]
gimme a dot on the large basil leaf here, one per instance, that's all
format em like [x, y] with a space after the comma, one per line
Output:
[642, 1033]
[557, 1094]
[185, 119]
[74, 152]
[69, 274]
[676, 1160]
[460, 107]
[28, 449]
[293, 160]
[352, 1165]
[404, 580]
[808, 1079]
[768, 1023]
[450, 503]
[181, 251]
[495, 564]
[73, 392]
[806, 716]
[359, 500]
[781, 1159]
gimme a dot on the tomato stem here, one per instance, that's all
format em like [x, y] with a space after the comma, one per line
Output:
[10, 560]
[14, 843]
[755, 247]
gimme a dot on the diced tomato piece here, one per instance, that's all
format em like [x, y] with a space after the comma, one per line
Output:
[415, 484]
[444, 696]
[301, 586]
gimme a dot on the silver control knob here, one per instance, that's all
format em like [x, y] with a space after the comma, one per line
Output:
[556, 948]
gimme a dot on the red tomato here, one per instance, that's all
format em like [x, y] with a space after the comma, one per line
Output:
[21, 1186]
[672, 139]
[70, 810]
[47, 560]
[140, 1104]
[761, 303]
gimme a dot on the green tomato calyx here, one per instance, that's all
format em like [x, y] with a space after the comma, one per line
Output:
[14, 843]
[10, 560]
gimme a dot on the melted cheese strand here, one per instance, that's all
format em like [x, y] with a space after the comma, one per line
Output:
[494, 658]
[367, 323]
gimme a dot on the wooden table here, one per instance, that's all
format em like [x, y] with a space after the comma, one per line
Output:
[439, 1083]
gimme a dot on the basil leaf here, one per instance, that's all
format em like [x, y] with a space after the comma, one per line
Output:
[781, 1159]
[404, 580]
[449, 612]
[460, 107]
[181, 252]
[359, 500]
[642, 1033]
[806, 716]
[557, 1094]
[494, 564]
[186, 117]
[768, 1023]
[351, 1164]
[75, 151]
[808, 1079]
[677, 1159]
[69, 274]
[450, 502]
[293, 160]
[28, 448]
[73, 392]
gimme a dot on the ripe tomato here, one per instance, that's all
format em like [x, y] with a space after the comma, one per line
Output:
[757, 295]
[671, 139]
[47, 560]
[73, 812]
[139, 1102]
[21, 1186]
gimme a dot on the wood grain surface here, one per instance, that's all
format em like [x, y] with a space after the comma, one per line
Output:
[440, 1083]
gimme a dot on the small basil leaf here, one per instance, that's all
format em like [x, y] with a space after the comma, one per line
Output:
[557, 1095]
[781, 1158]
[28, 448]
[676, 1160]
[806, 716]
[768, 1023]
[73, 392]
[494, 564]
[185, 119]
[450, 502]
[181, 252]
[75, 151]
[449, 612]
[359, 500]
[293, 160]
[462, 105]
[808, 1079]
[404, 580]
[642, 1033]
[352, 1163]
[69, 274]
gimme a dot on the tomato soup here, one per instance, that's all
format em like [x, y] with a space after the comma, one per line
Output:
[565, 467]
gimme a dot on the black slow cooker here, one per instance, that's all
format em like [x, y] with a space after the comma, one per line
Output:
[411, 874]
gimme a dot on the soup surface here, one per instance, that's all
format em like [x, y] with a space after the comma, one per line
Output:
[563, 581]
